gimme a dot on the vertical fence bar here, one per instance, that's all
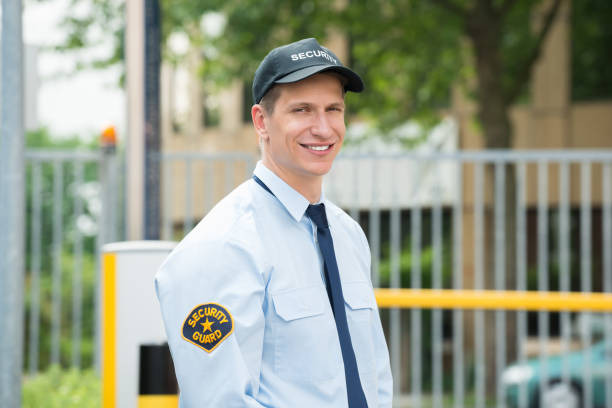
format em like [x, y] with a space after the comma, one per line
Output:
[543, 322]
[459, 382]
[500, 274]
[585, 273]
[415, 320]
[35, 247]
[77, 273]
[374, 226]
[248, 167]
[521, 266]
[436, 328]
[479, 326]
[120, 194]
[331, 183]
[564, 263]
[98, 282]
[606, 181]
[56, 302]
[188, 220]
[209, 194]
[107, 187]
[112, 204]
[354, 211]
[229, 174]
[395, 282]
[166, 165]
[107, 183]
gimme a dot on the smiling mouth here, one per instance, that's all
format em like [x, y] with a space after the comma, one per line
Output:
[318, 148]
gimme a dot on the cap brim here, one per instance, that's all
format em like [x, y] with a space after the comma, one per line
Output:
[353, 84]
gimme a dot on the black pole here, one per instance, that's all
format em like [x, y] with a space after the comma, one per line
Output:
[156, 373]
[152, 65]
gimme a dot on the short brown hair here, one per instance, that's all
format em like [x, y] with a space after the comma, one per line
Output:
[269, 99]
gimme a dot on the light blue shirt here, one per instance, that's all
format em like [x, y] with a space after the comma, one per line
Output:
[255, 256]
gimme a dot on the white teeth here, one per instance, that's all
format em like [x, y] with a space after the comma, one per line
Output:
[319, 148]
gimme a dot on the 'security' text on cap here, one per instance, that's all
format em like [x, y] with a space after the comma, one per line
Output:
[296, 61]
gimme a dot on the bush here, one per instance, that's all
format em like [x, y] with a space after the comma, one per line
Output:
[57, 388]
[88, 320]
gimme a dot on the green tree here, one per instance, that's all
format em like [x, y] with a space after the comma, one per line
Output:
[409, 52]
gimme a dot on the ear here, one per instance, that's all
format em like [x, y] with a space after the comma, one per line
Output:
[258, 115]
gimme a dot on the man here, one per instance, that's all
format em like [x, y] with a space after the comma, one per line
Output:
[268, 301]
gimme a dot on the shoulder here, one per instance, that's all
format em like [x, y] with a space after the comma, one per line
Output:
[228, 220]
[352, 245]
[224, 238]
[346, 222]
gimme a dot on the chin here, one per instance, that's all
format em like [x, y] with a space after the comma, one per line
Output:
[319, 170]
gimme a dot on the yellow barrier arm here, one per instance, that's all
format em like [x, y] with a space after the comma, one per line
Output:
[493, 299]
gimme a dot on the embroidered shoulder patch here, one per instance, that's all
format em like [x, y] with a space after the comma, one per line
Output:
[207, 326]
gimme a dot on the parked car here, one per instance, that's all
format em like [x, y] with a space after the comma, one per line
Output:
[556, 393]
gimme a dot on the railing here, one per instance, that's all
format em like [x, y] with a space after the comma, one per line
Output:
[490, 220]
[448, 227]
[72, 210]
[498, 207]
[192, 183]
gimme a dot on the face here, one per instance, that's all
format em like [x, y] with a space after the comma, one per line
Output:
[305, 131]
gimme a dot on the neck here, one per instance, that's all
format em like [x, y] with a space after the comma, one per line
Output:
[308, 186]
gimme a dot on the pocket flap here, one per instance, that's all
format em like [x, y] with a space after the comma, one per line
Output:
[358, 295]
[299, 303]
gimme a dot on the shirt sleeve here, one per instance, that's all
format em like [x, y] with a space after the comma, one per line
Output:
[200, 278]
[383, 368]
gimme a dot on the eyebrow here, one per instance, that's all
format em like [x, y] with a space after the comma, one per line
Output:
[337, 104]
[340, 104]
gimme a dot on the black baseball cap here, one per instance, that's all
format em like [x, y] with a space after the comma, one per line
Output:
[296, 61]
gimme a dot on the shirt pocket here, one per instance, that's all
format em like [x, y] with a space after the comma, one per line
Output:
[305, 337]
[361, 306]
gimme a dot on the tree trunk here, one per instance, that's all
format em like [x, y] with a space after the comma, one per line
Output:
[483, 30]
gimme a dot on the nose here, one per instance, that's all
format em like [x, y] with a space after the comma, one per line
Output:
[322, 126]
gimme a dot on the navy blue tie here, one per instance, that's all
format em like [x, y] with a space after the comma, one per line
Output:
[356, 397]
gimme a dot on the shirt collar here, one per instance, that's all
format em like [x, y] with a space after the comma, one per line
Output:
[294, 202]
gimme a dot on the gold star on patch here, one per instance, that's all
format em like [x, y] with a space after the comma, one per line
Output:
[207, 325]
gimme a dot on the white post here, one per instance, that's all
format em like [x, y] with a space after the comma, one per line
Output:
[134, 193]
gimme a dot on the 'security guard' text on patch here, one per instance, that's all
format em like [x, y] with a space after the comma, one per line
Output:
[208, 325]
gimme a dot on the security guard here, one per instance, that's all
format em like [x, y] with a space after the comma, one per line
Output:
[268, 301]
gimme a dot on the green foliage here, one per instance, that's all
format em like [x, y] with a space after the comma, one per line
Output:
[42, 139]
[427, 254]
[409, 52]
[67, 269]
[91, 27]
[426, 266]
[407, 56]
[57, 388]
[591, 57]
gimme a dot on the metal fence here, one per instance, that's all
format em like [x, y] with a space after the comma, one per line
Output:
[491, 220]
[537, 221]
[501, 220]
[72, 210]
